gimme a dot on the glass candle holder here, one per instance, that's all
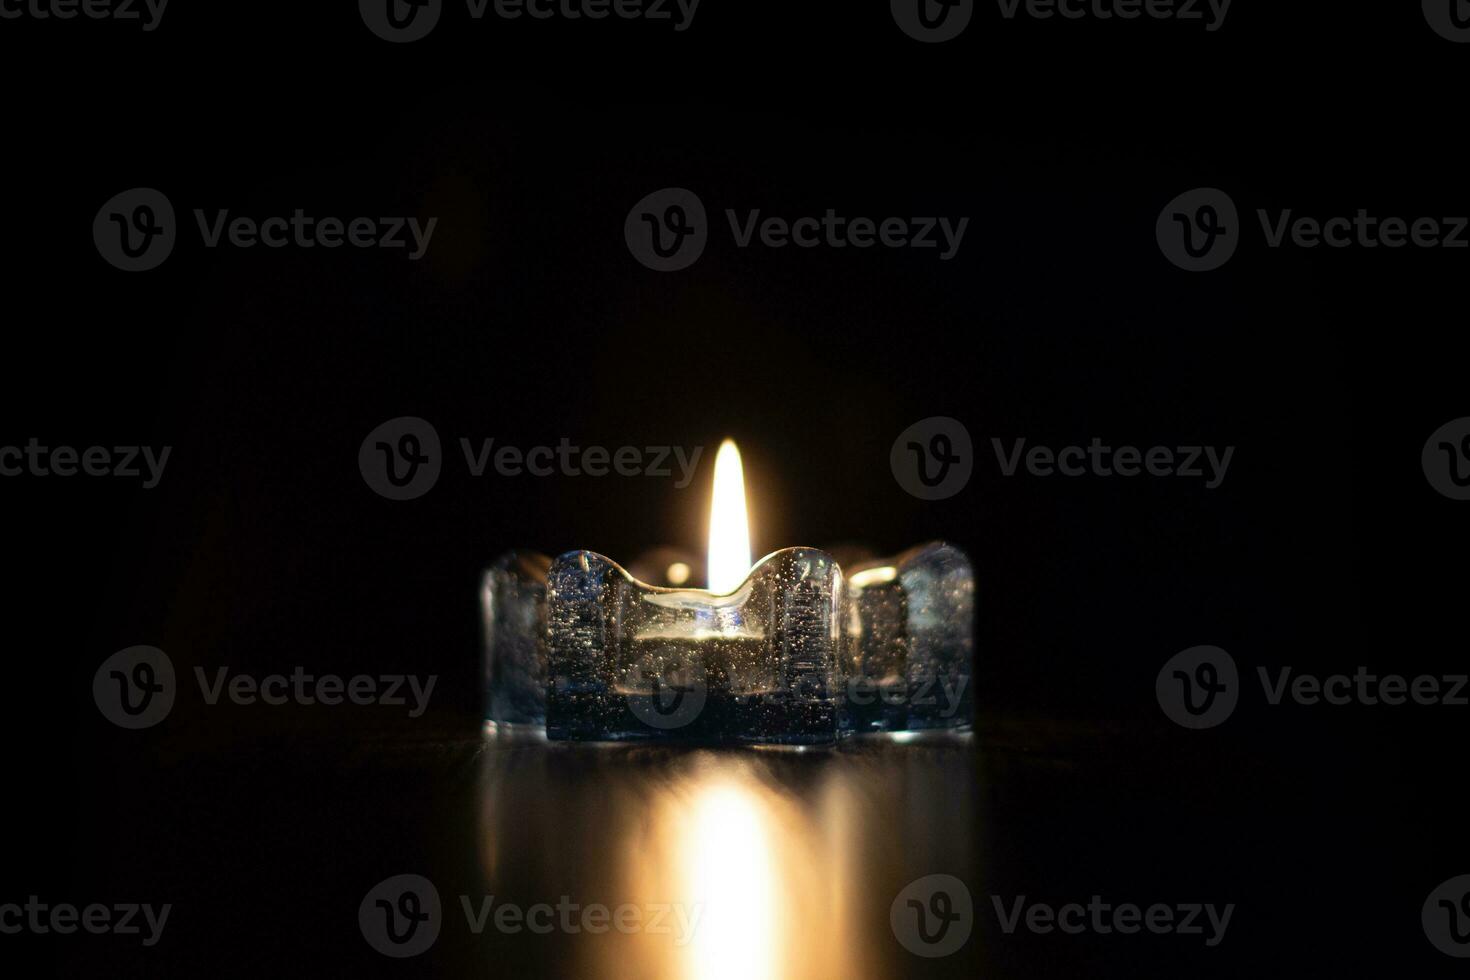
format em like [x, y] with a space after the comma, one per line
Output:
[513, 609]
[910, 643]
[797, 654]
[627, 660]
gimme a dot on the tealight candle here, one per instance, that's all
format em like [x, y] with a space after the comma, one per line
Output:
[784, 651]
[751, 658]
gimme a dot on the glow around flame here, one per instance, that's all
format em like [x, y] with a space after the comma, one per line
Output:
[729, 527]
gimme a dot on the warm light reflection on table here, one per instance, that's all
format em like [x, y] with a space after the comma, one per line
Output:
[785, 861]
[730, 874]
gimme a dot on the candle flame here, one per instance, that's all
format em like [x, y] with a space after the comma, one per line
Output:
[729, 528]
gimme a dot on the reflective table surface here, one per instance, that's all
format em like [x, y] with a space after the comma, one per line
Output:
[1014, 852]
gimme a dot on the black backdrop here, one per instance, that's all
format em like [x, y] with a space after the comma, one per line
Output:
[529, 321]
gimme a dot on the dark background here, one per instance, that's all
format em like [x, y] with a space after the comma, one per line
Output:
[528, 321]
